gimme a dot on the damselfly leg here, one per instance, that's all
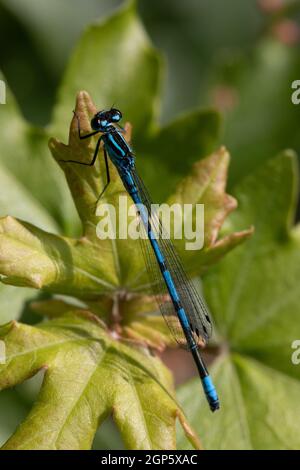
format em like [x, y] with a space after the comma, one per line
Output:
[92, 162]
[86, 136]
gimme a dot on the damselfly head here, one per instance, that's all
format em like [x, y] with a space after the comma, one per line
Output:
[103, 119]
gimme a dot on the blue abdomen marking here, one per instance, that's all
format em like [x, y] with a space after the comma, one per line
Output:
[158, 253]
[210, 390]
[183, 318]
[161, 260]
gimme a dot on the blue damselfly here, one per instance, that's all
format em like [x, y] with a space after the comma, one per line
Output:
[180, 303]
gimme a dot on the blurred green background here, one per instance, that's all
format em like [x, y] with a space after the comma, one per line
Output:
[240, 57]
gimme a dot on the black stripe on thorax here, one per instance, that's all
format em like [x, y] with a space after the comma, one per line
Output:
[116, 140]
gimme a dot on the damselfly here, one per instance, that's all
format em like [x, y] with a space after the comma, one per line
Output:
[180, 303]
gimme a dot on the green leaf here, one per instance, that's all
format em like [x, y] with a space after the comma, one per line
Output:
[135, 318]
[254, 296]
[260, 125]
[95, 368]
[206, 185]
[24, 154]
[89, 267]
[175, 147]
[112, 376]
[269, 265]
[18, 201]
[258, 408]
[94, 271]
[34, 258]
[231, 416]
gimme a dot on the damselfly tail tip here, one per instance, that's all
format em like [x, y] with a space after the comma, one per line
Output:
[214, 406]
[211, 393]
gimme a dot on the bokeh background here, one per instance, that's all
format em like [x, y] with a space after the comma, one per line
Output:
[239, 57]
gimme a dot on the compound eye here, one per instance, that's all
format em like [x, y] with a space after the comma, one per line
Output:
[95, 123]
[116, 115]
